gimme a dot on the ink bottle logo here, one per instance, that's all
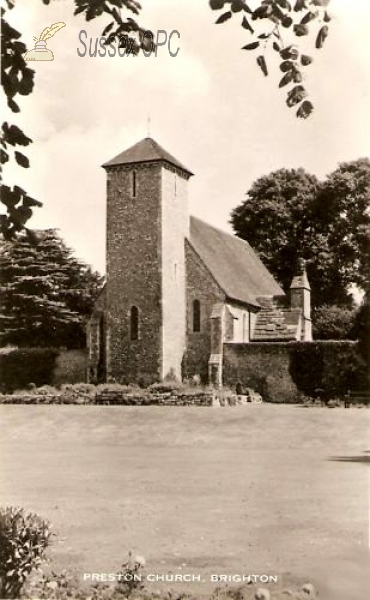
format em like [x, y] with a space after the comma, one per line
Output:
[40, 51]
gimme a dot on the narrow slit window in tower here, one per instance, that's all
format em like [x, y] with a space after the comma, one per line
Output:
[134, 323]
[134, 184]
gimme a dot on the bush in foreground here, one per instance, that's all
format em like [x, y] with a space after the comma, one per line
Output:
[23, 540]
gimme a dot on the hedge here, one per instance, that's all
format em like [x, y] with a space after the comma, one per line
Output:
[331, 366]
[287, 372]
[24, 366]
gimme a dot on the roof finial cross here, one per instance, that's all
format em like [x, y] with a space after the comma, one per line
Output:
[148, 126]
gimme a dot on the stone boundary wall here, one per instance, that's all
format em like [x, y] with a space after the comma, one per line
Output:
[112, 398]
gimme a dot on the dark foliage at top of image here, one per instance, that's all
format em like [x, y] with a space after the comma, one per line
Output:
[264, 24]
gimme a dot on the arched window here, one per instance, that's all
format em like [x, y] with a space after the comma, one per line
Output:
[196, 315]
[134, 323]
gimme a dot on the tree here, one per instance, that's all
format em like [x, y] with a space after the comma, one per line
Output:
[334, 323]
[345, 201]
[46, 293]
[289, 214]
[361, 331]
[273, 16]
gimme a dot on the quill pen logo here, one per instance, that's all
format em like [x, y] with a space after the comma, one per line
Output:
[40, 51]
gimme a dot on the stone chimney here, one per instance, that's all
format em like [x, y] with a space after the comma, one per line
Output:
[300, 297]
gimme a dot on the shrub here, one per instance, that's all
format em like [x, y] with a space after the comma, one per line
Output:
[333, 323]
[19, 368]
[44, 390]
[117, 387]
[78, 390]
[130, 578]
[145, 380]
[280, 390]
[165, 386]
[23, 539]
[333, 366]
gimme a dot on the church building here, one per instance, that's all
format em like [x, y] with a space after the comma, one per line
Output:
[177, 289]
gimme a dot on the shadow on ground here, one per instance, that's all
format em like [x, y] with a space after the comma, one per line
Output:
[356, 459]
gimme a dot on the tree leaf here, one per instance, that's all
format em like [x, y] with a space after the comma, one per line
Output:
[305, 110]
[22, 214]
[306, 60]
[9, 197]
[236, 6]
[15, 136]
[286, 65]
[227, 15]
[79, 9]
[116, 15]
[300, 5]
[288, 77]
[13, 105]
[21, 159]
[4, 157]
[20, 191]
[28, 202]
[321, 36]
[247, 9]
[262, 12]
[276, 47]
[107, 29]
[289, 52]
[247, 25]
[251, 46]
[285, 4]
[216, 4]
[310, 16]
[262, 64]
[297, 94]
[301, 30]
[287, 21]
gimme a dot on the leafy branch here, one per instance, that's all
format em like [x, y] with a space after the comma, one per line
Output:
[127, 30]
[18, 79]
[296, 18]
[273, 15]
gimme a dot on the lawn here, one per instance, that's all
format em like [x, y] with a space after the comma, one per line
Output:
[254, 489]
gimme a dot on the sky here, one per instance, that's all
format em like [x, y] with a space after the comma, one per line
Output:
[209, 106]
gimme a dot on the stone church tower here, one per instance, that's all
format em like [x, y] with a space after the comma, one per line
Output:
[179, 291]
[147, 223]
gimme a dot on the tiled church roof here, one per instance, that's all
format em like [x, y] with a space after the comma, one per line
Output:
[148, 150]
[276, 322]
[232, 262]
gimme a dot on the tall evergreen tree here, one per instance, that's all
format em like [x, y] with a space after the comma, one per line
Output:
[45, 293]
